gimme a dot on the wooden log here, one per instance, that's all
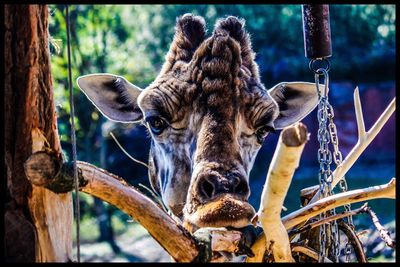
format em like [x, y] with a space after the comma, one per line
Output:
[284, 163]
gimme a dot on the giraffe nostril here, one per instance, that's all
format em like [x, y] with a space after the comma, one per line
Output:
[241, 188]
[207, 188]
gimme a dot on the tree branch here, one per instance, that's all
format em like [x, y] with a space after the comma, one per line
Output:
[382, 231]
[349, 197]
[364, 139]
[284, 163]
[354, 241]
[314, 209]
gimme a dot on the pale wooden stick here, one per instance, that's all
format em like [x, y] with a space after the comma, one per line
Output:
[364, 139]
[312, 210]
[284, 163]
[309, 252]
[349, 197]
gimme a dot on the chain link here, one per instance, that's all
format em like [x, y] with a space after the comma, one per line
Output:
[338, 158]
[326, 134]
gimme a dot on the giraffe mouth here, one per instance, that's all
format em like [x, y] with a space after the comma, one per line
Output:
[224, 211]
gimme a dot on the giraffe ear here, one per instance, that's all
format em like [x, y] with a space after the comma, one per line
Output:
[113, 95]
[295, 100]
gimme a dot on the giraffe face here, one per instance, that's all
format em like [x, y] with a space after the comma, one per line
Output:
[207, 113]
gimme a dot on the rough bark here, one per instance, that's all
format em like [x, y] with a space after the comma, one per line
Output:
[41, 220]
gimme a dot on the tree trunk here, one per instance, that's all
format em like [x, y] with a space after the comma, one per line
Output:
[37, 221]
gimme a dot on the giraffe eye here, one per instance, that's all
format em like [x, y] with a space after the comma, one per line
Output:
[262, 132]
[156, 124]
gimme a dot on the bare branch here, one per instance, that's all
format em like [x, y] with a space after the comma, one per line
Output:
[322, 205]
[385, 235]
[314, 209]
[108, 187]
[364, 140]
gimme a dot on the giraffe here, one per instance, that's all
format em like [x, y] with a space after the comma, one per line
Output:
[208, 114]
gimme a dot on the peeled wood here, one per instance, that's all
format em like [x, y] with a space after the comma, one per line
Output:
[316, 208]
[349, 197]
[284, 163]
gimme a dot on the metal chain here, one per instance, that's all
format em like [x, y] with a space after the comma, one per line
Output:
[338, 158]
[325, 174]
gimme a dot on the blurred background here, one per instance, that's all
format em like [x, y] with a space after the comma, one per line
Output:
[132, 40]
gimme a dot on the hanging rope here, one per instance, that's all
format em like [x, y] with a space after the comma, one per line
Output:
[73, 138]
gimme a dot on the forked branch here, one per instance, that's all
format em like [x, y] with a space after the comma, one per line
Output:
[364, 139]
[328, 203]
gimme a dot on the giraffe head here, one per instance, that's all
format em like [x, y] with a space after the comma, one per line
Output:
[207, 113]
